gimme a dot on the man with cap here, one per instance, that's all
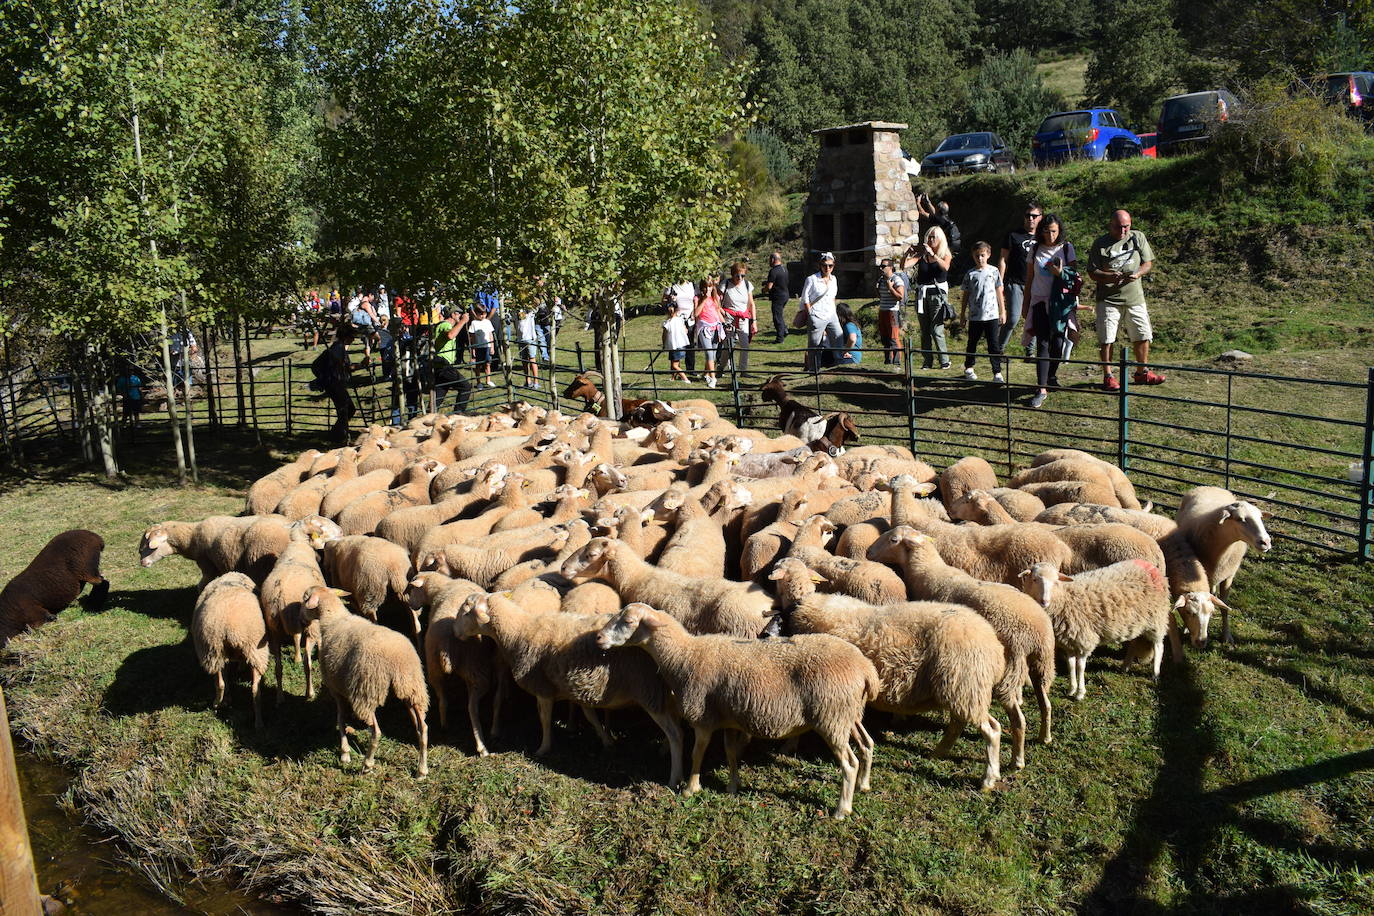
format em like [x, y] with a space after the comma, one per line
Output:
[818, 307]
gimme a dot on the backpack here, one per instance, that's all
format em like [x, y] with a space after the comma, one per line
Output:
[322, 367]
[956, 241]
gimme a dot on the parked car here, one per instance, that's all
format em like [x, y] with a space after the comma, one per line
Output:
[1148, 146]
[1188, 121]
[1085, 134]
[976, 152]
[1354, 91]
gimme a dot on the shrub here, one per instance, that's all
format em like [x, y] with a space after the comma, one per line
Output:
[1292, 140]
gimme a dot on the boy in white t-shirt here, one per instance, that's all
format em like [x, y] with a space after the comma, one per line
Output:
[675, 339]
[480, 333]
[983, 311]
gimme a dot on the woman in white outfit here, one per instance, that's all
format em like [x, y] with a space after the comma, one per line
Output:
[818, 304]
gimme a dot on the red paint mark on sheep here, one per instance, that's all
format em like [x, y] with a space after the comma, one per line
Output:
[1156, 577]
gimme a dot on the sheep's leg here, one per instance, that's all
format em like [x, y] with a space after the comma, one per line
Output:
[502, 685]
[422, 735]
[865, 743]
[309, 670]
[415, 632]
[376, 727]
[733, 744]
[296, 648]
[546, 725]
[1016, 719]
[1073, 677]
[219, 688]
[1226, 636]
[1083, 675]
[1158, 656]
[274, 646]
[703, 739]
[605, 736]
[256, 681]
[673, 731]
[952, 730]
[474, 718]
[849, 773]
[1175, 640]
[1042, 699]
[344, 750]
[992, 733]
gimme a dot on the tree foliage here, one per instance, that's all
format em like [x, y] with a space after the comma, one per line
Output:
[1007, 95]
[1135, 59]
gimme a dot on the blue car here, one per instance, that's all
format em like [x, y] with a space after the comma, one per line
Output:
[1092, 133]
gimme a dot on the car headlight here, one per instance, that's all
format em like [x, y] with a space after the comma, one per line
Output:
[977, 157]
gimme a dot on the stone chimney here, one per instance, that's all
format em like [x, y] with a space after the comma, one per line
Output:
[860, 204]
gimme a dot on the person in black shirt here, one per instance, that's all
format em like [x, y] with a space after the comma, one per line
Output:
[1011, 265]
[776, 289]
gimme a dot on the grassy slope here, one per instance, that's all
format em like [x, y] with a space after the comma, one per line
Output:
[1242, 785]
[1066, 76]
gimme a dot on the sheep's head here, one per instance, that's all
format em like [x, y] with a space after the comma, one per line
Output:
[558, 537]
[435, 561]
[793, 572]
[319, 600]
[155, 545]
[818, 526]
[319, 530]
[1039, 580]
[634, 624]
[608, 478]
[588, 559]
[820, 464]
[971, 506]
[473, 614]
[896, 543]
[1248, 523]
[1196, 609]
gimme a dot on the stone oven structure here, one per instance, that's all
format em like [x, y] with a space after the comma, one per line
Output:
[860, 205]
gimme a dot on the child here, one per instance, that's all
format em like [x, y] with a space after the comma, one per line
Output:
[675, 338]
[481, 333]
[529, 347]
[984, 310]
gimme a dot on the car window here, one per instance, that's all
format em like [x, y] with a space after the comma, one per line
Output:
[963, 141]
[997, 141]
[1337, 89]
[1108, 119]
[1364, 82]
[1186, 109]
[1071, 121]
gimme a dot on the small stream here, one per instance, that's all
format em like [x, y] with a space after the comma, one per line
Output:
[78, 867]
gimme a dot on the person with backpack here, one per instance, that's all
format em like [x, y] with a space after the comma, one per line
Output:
[938, 215]
[331, 369]
[892, 287]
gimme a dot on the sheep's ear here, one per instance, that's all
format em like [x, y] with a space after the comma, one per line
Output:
[646, 516]
[417, 582]
[1148, 507]
[1024, 574]
[1064, 578]
[1182, 600]
[311, 599]
[1219, 603]
[927, 488]
[777, 573]
[341, 593]
[1225, 514]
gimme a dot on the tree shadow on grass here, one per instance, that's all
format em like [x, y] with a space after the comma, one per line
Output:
[164, 603]
[1297, 679]
[1183, 816]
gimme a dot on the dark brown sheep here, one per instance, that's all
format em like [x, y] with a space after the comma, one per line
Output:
[52, 581]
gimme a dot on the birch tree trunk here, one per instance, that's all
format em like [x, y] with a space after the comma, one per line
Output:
[187, 373]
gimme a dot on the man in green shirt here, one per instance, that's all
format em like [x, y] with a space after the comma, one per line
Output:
[1117, 262]
[445, 342]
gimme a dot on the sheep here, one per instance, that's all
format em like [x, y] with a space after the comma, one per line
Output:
[636, 529]
[215, 544]
[772, 464]
[362, 663]
[928, 655]
[998, 506]
[51, 581]
[904, 503]
[774, 540]
[267, 491]
[770, 688]
[226, 626]
[1021, 625]
[408, 526]
[304, 499]
[514, 495]
[567, 504]
[1096, 546]
[484, 560]
[337, 499]
[703, 605]
[885, 461]
[556, 657]
[296, 570]
[259, 546]
[1073, 491]
[1156, 526]
[697, 546]
[994, 553]
[363, 514]
[473, 661]
[968, 473]
[862, 579]
[1121, 484]
[1119, 603]
[1220, 529]
[367, 568]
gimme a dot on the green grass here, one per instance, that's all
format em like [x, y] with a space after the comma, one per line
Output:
[1065, 76]
[1241, 784]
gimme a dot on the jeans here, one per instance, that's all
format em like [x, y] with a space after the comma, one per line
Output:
[933, 338]
[1015, 296]
[1048, 353]
[988, 329]
[779, 318]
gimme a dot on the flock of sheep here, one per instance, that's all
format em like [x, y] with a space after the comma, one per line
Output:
[703, 573]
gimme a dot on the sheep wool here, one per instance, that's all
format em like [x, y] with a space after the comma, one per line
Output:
[51, 581]
[227, 626]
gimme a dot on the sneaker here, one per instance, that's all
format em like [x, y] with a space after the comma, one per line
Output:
[535, 386]
[1111, 384]
[970, 375]
[997, 377]
[710, 381]
[945, 365]
[1146, 377]
[1038, 399]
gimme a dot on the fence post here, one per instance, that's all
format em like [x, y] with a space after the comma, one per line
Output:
[18, 881]
[1123, 415]
[1367, 472]
[910, 400]
[734, 383]
[653, 373]
[1230, 378]
[581, 367]
[1006, 392]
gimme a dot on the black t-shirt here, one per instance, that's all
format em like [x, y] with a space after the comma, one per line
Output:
[777, 278]
[1018, 245]
[928, 272]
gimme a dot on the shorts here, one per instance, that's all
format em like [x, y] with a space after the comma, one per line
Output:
[529, 351]
[677, 355]
[1137, 323]
[481, 354]
[889, 323]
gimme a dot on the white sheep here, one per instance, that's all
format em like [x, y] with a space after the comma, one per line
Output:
[1156, 526]
[862, 579]
[556, 657]
[368, 568]
[1117, 603]
[928, 655]
[702, 605]
[227, 626]
[968, 473]
[769, 688]
[1220, 528]
[296, 570]
[363, 663]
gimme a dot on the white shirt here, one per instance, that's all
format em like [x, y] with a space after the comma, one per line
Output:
[383, 306]
[819, 294]
[684, 294]
[735, 297]
[528, 334]
[676, 336]
[480, 331]
[980, 293]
